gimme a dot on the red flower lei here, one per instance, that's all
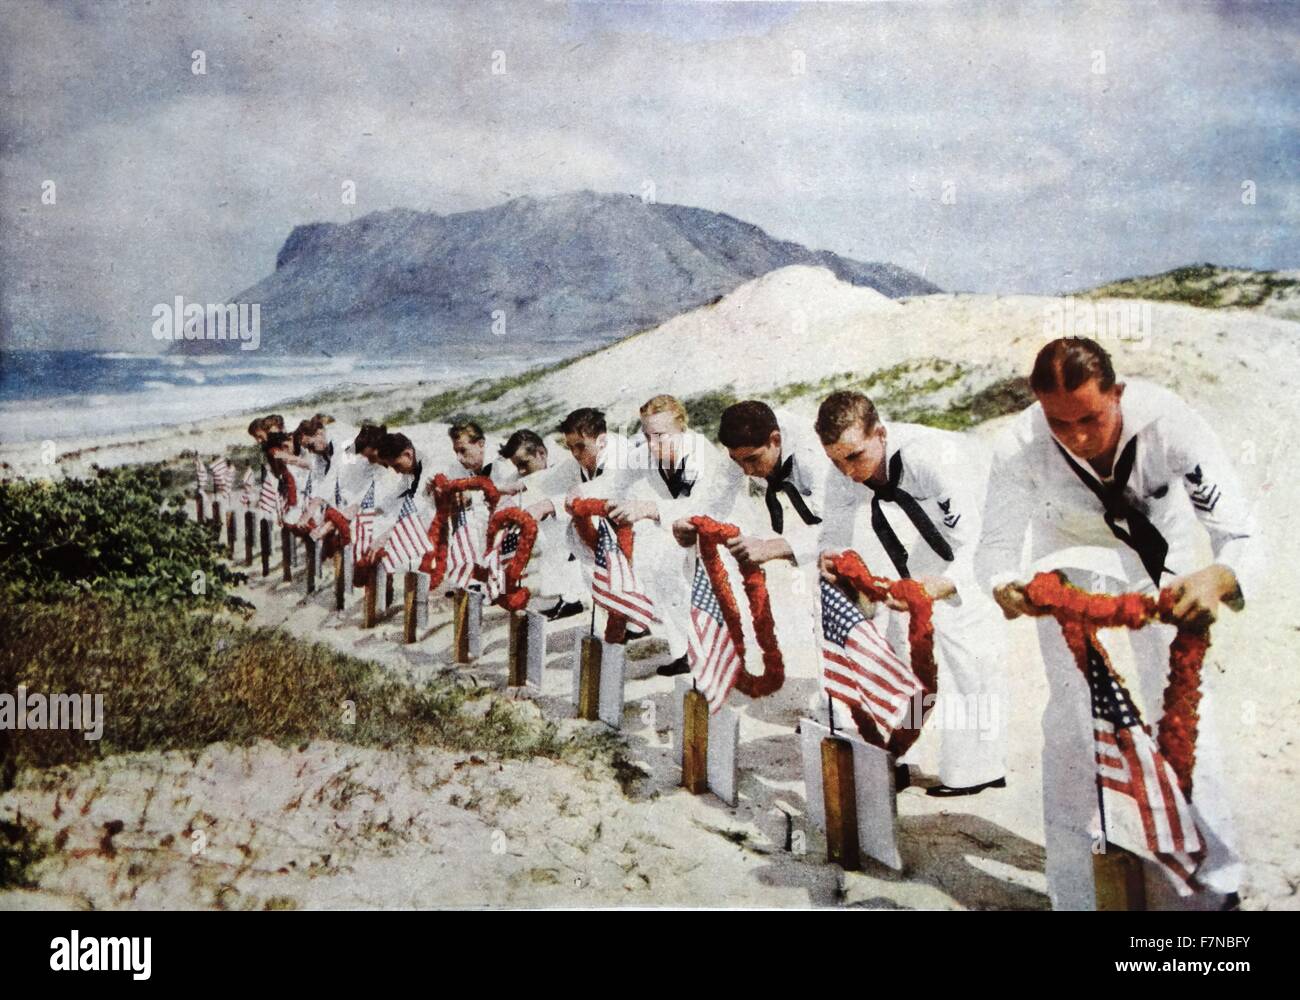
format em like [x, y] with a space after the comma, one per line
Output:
[1080, 614]
[582, 510]
[515, 597]
[920, 639]
[443, 491]
[712, 534]
[341, 525]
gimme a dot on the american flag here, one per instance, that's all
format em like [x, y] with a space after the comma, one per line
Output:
[714, 659]
[408, 541]
[363, 530]
[223, 476]
[462, 552]
[859, 667]
[498, 558]
[268, 500]
[1143, 809]
[614, 585]
[246, 489]
[201, 481]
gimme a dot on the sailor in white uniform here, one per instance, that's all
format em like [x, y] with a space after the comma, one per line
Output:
[473, 458]
[787, 481]
[600, 457]
[1110, 481]
[908, 503]
[684, 474]
[346, 467]
[407, 475]
[544, 485]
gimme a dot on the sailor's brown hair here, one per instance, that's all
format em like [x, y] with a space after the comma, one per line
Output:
[840, 411]
[466, 428]
[1068, 362]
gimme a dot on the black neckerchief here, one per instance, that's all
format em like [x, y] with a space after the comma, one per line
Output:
[1120, 504]
[777, 483]
[891, 492]
[415, 480]
[676, 480]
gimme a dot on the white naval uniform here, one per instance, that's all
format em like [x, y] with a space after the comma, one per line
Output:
[711, 485]
[305, 488]
[1181, 475]
[552, 556]
[619, 455]
[791, 588]
[341, 476]
[944, 472]
[391, 490]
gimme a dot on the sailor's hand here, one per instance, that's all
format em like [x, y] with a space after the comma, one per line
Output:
[938, 587]
[319, 533]
[511, 489]
[826, 566]
[629, 511]
[747, 549]
[541, 509]
[685, 532]
[1012, 599]
[1197, 595]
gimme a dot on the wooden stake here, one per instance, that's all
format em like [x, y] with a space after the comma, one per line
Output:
[230, 535]
[342, 577]
[1120, 881]
[249, 521]
[370, 601]
[286, 554]
[216, 520]
[460, 626]
[264, 535]
[589, 678]
[695, 742]
[840, 798]
[517, 659]
[410, 605]
[198, 506]
[310, 545]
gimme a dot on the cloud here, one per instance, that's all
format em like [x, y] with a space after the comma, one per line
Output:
[1081, 144]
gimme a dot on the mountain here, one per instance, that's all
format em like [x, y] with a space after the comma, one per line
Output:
[563, 273]
[1210, 286]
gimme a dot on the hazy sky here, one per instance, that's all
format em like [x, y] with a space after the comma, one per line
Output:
[1080, 143]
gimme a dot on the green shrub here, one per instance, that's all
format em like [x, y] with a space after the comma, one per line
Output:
[179, 680]
[107, 535]
[704, 411]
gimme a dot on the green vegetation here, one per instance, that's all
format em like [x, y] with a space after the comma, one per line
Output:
[1009, 395]
[173, 680]
[1204, 285]
[109, 535]
[921, 392]
[465, 401]
[704, 412]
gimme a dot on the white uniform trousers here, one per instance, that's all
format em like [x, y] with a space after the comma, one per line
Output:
[559, 575]
[1071, 817]
[969, 717]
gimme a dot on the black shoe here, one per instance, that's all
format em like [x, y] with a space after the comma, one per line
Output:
[635, 633]
[563, 609]
[678, 666]
[902, 777]
[946, 791]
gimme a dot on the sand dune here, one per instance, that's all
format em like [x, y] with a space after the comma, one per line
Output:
[580, 839]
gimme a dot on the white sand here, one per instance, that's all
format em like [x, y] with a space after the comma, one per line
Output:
[333, 825]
